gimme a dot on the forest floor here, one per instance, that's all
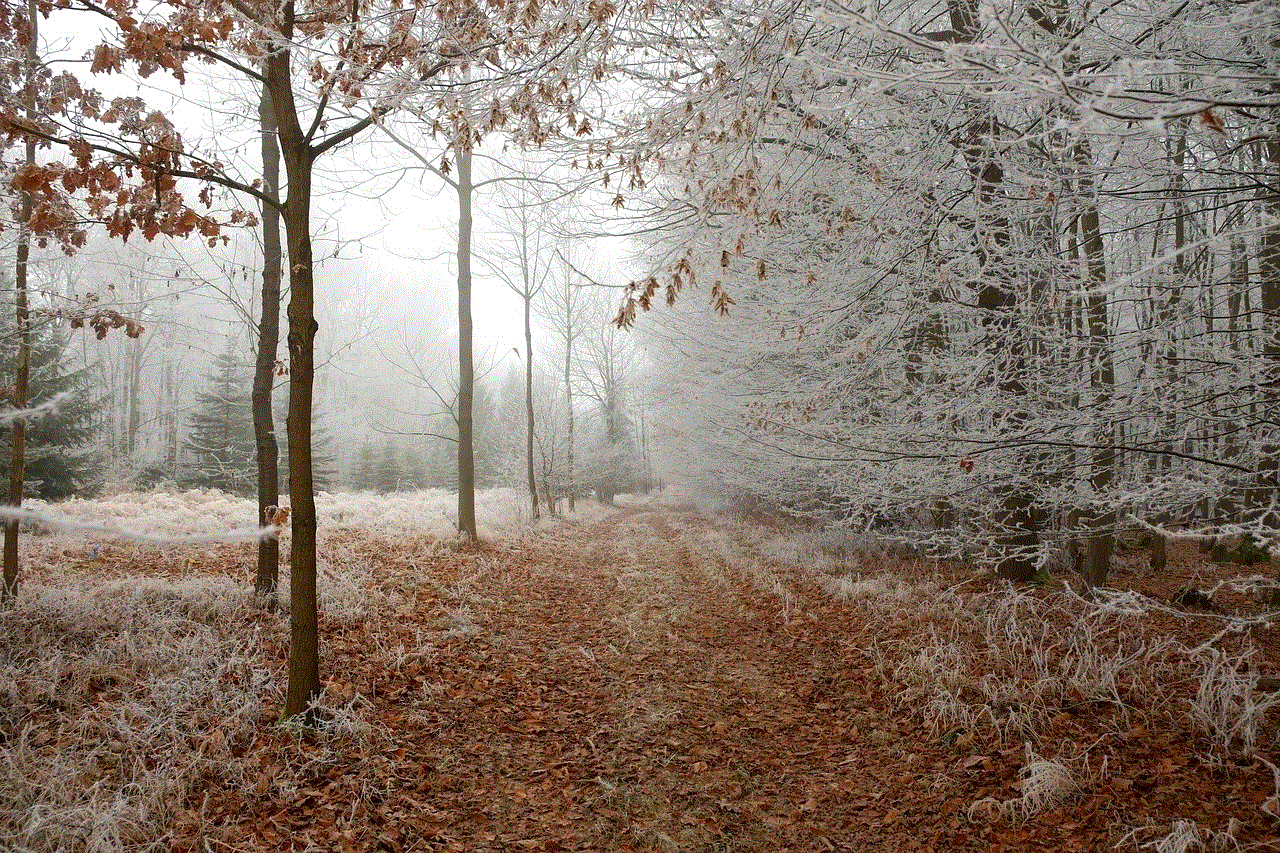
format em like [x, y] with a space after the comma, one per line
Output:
[658, 680]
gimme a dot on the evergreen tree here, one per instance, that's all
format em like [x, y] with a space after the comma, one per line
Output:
[387, 472]
[61, 457]
[362, 470]
[440, 460]
[221, 445]
[324, 461]
[413, 470]
[488, 434]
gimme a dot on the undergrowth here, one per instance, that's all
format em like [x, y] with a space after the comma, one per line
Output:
[116, 697]
[1018, 663]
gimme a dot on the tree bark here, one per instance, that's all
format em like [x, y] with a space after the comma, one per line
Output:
[264, 429]
[466, 364]
[299, 158]
[134, 422]
[169, 393]
[1097, 557]
[570, 485]
[528, 395]
[1269, 272]
[547, 496]
[22, 373]
[1167, 318]
[1014, 516]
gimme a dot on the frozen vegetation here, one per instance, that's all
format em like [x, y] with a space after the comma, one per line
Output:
[137, 677]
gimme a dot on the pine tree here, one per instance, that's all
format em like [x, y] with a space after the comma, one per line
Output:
[387, 469]
[440, 462]
[324, 461]
[488, 434]
[413, 471]
[61, 457]
[362, 469]
[221, 445]
[324, 458]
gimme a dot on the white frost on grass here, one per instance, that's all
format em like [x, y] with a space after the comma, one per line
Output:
[1227, 707]
[500, 513]
[1185, 836]
[832, 548]
[1044, 784]
[119, 694]
[345, 590]
[117, 697]
[883, 588]
[1012, 659]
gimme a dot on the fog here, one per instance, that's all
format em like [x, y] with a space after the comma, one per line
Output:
[386, 348]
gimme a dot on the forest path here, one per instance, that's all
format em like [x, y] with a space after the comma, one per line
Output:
[638, 683]
[705, 730]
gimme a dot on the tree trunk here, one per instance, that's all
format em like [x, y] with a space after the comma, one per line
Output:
[528, 396]
[466, 365]
[1166, 321]
[570, 485]
[547, 496]
[1269, 273]
[120, 410]
[264, 371]
[1014, 516]
[1101, 543]
[304, 656]
[647, 469]
[134, 422]
[170, 421]
[22, 373]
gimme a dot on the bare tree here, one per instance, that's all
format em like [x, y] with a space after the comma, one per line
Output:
[466, 363]
[265, 367]
[607, 359]
[22, 369]
[524, 264]
[464, 188]
[1269, 271]
[567, 310]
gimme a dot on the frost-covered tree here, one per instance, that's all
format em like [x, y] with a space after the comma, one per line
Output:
[387, 468]
[524, 263]
[606, 362]
[221, 447]
[63, 456]
[363, 477]
[996, 278]
[566, 308]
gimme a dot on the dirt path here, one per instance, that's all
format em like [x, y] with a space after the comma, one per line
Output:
[690, 721]
[642, 699]
[615, 687]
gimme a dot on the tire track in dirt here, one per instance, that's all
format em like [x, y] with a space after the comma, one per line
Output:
[717, 724]
[621, 686]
